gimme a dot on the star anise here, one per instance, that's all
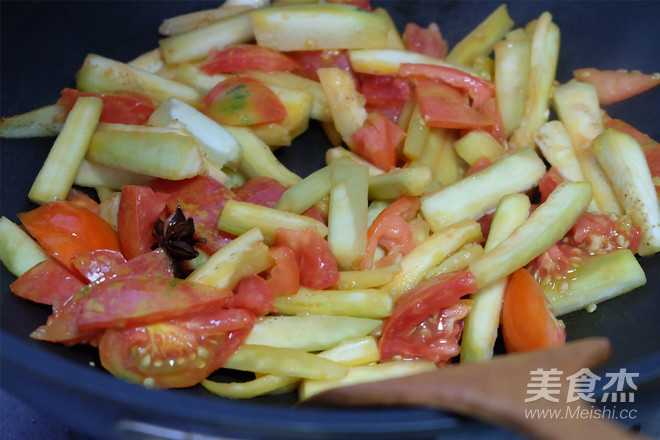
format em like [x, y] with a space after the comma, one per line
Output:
[176, 235]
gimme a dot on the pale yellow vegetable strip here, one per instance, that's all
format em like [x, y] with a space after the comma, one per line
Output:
[239, 217]
[394, 40]
[388, 61]
[18, 251]
[258, 159]
[478, 144]
[482, 39]
[151, 61]
[512, 64]
[309, 333]
[304, 194]
[353, 352]
[459, 260]
[167, 155]
[475, 195]
[334, 154]
[59, 170]
[400, 182]
[624, 162]
[600, 278]
[93, 174]
[545, 52]
[323, 26]
[363, 374]
[359, 303]
[346, 103]
[196, 44]
[439, 155]
[430, 253]
[267, 384]
[480, 325]
[284, 362]
[347, 216]
[103, 75]
[198, 19]
[36, 123]
[416, 135]
[245, 255]
[547, 225]
[366, 279]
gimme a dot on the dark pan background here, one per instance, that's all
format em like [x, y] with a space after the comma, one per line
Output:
[43, 43]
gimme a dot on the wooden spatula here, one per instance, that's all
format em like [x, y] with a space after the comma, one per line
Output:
[495, 391]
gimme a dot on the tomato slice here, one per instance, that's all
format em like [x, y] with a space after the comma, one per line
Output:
[81, 199]
[312, 60]
[362, 4]
[444, 106]
[550, 180]
[283, 278]
[478, 89]
[47, 283]
[65, 229]
[412, 331]
[121, 107]
[599, 233]
[243, 101]
[527, 322]
[177, 353]
[316, 263]
[201, 198]
[140, 300]
[95, 266]
[262, 190]
[427, 41]
[384, 94]
[253, 294]
[616, 85]
[139, 207]
[390, 229]
[479, 165]
[247, 56]
[377, 139]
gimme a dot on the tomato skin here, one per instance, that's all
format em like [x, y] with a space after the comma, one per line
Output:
[120, 108]
[81, 199]
[550, 180]
[376, 141]
[177, 353]
[201, 198]
[317, 265]
[404, 333]
[479, 165]
[312, 60]
[391, 230]
[427, 41]
[65, 229]
[616, 85]
[527, 322]
[253, 294]
[283, 278]
[243, 101]
[94, 266]
[444, 106]
[262, 190]
[140, 300]
[139, 207]
[247, 56]
[37, 284]
[384, 94]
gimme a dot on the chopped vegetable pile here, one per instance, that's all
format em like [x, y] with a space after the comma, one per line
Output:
[454, 206]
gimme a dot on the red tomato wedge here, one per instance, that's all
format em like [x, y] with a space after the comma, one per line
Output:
[616, 85]
[283, 278]
[65, 229]
[527, 322]
[384, 94]
[427, 41]
[312, 60]
[81, 199]
[201, 198]
[390, 229]
[362, 4]
[247, 56]
[177, 353]
[478, 89]
[549, 182]
[122, 107]
[376, 141]
[412, 331]
[480, 164]
[253, 294]
[95, 266]
[444, 106]
[62, 325]
[316, 263]
[140, 300]
[264, 191]
[139, 207]
[47, 283]
[599, 233]
[243, 101]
